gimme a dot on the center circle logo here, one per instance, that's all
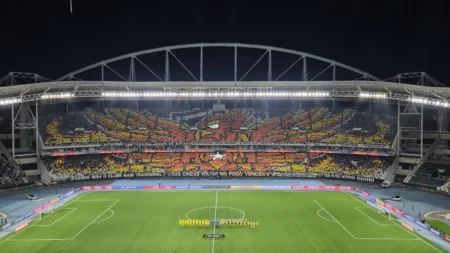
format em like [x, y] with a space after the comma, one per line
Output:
[241, 213]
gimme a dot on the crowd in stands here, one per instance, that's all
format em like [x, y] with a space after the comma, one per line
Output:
[315, 125]
[10, 174]
[65, 168]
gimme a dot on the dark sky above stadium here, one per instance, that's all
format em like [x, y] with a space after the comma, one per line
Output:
[383, 38]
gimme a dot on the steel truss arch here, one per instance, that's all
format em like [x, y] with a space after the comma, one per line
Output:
[268, 50]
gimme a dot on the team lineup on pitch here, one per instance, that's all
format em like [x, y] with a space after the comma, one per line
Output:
[138, 221]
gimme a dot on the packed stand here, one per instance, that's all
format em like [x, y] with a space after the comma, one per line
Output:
[315, 125]
[96, 166]
[11, 175]
[71, 128]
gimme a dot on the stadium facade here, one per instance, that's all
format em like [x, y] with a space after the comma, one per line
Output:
[270, 111]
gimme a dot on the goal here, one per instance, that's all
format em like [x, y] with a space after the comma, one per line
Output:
[45, 212]
[383, 211]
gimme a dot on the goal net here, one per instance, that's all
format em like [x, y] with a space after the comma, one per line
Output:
[383, 211]
[45, 212]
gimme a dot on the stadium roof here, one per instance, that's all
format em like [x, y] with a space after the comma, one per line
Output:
[363, 85]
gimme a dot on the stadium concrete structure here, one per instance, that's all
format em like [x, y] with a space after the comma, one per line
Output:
[306, 78]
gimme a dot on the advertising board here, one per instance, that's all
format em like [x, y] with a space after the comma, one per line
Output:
[96, 187]
[409, 227]
[21, 227]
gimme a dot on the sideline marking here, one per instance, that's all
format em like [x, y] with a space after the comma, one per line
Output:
[207, 207]
[95, 200]
[21, 240]
[412, 233]
[346, 230]
[318, 213]
[397, 239]
[215, 217]
[72, 209]
[335, 199]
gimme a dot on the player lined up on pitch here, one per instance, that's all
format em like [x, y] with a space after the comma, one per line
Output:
[222, 222]
[238, 223]
[194, 223]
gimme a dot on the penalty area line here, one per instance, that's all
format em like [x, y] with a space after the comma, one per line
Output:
[72, 210]
[117, 201]
[67, 203]
[325, 210]
[370, 218]
[318, 213]
[111, 215]
[412, 233]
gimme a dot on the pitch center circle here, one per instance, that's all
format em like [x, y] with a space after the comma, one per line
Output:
[213, 207]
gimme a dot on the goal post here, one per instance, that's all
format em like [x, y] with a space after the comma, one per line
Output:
[382, 211]
[386, 213]
[44, 213]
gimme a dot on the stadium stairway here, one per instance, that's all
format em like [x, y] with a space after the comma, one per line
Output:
[389, 175]
[424, 158]
[45, 176]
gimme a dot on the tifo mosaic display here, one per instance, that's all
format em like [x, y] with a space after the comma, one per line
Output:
[316, 125]
[203, 165]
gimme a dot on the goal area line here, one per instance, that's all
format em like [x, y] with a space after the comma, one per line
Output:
[60, 218]
[77, 199]
[352, 235]
[417, 238]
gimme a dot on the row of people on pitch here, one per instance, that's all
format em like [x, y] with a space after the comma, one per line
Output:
[238, 223]
[194, 223]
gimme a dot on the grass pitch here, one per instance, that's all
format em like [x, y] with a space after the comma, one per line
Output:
[442, 226]
[144, 221]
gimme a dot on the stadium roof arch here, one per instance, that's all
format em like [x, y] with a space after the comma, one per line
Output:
[126, 86]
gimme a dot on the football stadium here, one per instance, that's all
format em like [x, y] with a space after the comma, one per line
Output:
[224, 147]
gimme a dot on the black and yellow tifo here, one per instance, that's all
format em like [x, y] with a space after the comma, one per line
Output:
[223, 222]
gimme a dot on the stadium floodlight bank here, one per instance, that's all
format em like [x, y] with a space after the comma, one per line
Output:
[224, 95]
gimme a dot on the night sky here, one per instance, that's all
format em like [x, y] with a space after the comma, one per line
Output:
[383, 38]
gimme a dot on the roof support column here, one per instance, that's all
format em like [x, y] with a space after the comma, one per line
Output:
[167, 72]
[305, 70]
[269, 70]
[235, 67]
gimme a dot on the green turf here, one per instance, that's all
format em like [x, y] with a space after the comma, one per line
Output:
[144, 221]
[442, 226]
